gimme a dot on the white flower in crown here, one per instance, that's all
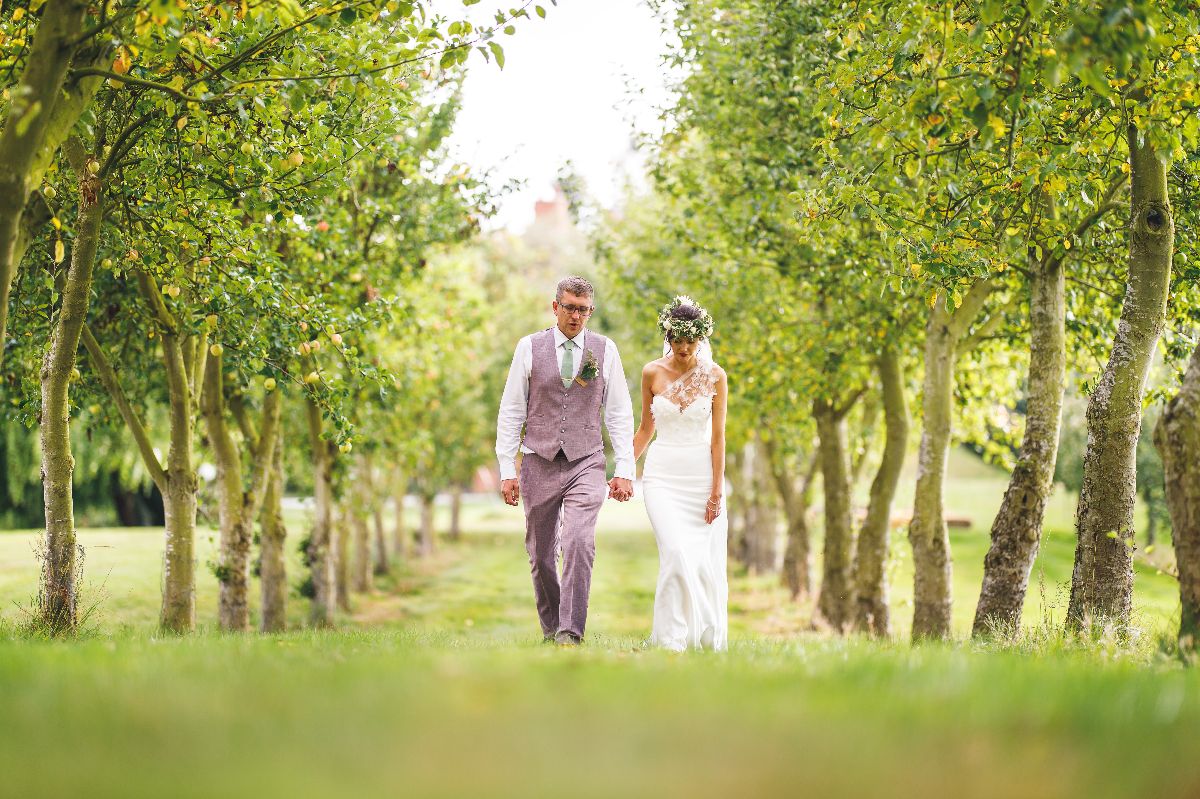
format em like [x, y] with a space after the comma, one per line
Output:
[691, 329]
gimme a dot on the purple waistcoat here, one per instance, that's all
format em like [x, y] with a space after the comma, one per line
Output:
[558, 418]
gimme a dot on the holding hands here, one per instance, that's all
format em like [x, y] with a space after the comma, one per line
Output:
[620, 489]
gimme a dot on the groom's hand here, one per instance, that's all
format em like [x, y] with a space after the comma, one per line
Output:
[620, 489]
[511, 491]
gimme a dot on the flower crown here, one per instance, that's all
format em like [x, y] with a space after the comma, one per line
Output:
[690, 329]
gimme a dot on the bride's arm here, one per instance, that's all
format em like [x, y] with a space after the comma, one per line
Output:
[720, 405]
[645, 431]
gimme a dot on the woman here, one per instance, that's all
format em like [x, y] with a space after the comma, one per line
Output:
[684, 399]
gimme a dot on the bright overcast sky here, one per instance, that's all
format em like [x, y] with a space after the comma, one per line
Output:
[575, 86]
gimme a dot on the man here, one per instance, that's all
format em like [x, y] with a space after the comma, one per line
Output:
[561, 384]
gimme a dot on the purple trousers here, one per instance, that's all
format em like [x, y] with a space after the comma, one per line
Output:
[562, 501]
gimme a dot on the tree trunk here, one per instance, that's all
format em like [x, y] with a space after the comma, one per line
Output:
[233, 559]
[237, 508]
[1177, 437]
[343, 531]
[58, 601]
[740, 511]
[1102, 579]
[835, 600]
[382, 565]
[1017, 528]
[456, 513]
[178, 613]
[272, 567]
[866, 437]
[757, 546]
[320, 554]
[766, 538]
[427, 534]
[27, 126]
[362, 551]
[871, 553]
[797, 553]
[177, 482]
[400, 533]
[927, 532]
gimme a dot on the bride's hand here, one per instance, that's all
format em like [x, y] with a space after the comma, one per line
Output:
[712, 509]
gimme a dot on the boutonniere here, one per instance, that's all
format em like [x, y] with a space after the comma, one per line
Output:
[590, 369]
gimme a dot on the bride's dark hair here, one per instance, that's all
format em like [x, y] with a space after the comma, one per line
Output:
[687, 312]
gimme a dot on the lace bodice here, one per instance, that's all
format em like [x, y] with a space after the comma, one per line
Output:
[683, 411]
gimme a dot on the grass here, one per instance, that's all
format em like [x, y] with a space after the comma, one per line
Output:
[438, 685]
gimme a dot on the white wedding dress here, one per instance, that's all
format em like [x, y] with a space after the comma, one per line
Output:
[692, 596]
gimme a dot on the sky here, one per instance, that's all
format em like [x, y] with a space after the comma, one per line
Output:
[575, 86]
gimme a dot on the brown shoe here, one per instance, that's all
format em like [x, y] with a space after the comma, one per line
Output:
[565, 638]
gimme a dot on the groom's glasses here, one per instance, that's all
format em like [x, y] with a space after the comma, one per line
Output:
[570, 310]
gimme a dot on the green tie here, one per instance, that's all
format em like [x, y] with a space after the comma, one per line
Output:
[568, 363]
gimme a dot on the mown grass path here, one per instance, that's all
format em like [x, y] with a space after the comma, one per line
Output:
[438, 685]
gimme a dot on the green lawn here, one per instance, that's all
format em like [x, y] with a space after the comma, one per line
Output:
[438, 685]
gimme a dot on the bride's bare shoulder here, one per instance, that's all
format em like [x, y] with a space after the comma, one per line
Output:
[653, 368]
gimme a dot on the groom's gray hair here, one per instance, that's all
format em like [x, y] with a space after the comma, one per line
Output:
[576, 285]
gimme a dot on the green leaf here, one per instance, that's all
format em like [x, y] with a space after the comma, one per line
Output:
[541, 12]
[497, 51]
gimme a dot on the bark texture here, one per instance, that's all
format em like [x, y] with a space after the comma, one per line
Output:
[1102, 579]
[1017, 528]
[272, 565]
[58, 601]
[944, 334]
[237, 508]
[1177, 437]
[835, 601]
[871, 552]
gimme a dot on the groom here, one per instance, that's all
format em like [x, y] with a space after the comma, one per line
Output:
[562, 380]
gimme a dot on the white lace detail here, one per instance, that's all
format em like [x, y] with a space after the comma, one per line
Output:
[696, 384]
[683, 411]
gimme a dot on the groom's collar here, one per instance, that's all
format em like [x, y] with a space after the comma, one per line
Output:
[560, 337]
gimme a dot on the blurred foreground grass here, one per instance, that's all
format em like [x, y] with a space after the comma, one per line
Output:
[438, 685]
[391, 713]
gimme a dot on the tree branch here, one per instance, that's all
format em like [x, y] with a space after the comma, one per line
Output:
[112, 384]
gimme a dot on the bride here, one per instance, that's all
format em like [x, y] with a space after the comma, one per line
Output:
[684, 398]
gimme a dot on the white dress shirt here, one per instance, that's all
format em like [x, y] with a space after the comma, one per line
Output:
[514, 405]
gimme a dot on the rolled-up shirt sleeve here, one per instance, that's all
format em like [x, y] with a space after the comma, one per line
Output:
[618, 413]
[514, 405]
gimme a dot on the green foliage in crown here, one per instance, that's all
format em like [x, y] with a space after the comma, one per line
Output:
[691, 329]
